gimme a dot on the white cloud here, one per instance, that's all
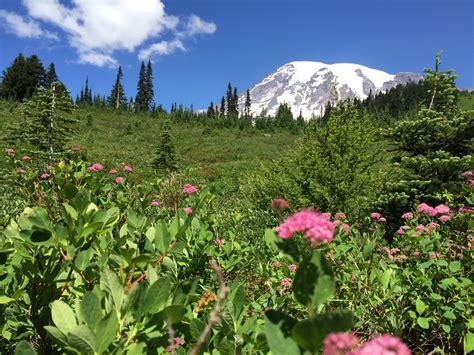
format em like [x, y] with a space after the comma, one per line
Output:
[97, 29]
[196, 26]
[160, 49]
[23, 28]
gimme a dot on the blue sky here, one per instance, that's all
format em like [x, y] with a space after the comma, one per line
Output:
[199, 45]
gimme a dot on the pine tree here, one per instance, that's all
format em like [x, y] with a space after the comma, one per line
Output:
[117, 98]
[90, 101]
[248, 103]
[166, 159]
[432, 149]
[46, 125]
[229, 99]
[86, 92]
[210, 110]
[222, 112]
[22, 78]
[51, 76]
[141, 98]
[81, 98]
[235, 102]
[150, 93]
[284, 116]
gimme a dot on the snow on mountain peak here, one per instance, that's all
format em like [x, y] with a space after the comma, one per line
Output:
[306, 86]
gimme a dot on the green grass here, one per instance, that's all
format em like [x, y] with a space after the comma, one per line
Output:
[220, 158]
[466, 100]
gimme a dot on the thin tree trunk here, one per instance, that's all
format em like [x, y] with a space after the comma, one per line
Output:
[51, 128]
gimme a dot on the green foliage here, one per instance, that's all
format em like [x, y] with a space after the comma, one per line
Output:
[117, 99]
[166, 159]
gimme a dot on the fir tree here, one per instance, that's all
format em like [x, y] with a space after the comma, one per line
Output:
[210, 110]
[248, 104]
[21, 79]
[229, 99]
[141, 98]
[222, 108]
[51, 76]
[86, 92]
[432, 149]
[117, 98]
[150, 93]
[166, 159]
[235, 102]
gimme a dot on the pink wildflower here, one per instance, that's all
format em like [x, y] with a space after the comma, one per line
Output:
[286, 282]
[435, 255]
[405, 227]
[416, 234]
[189, 189]
[113, 171]
[292, 267]
[154, 203]
[279, 204]
[315, 226]
[382, 220]
[375, 215]
[119, 179]
[467, 174]
[172, 347]
[433, 225]
[471, 182]
[340, 215]
[416, 253]
[218, 242]
[442, 209]
[465, 209]
[45, 176]
[22, 171]
[26, 158]
[400, 232]
[336, 223]
[95, 167]
[188, 210]
[345, 228]
[10, 151]
[427, 209]
[407, 215]
[382, 345]
[127, 169]
[421, 228]
[370, 229]
[444, 218]
[339, 343]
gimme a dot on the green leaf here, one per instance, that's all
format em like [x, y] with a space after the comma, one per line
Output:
[90, 309]
[455, 266]
[39, 219]
[385, 278]
[24, 348]
[109, 282]
[5, 299]
[63, 316]
[56, 334]
[185, 290]
[81, 339]
[449, 315]
[420, 306]
[313, 284]
[71, 211]
[107, 331]
[310, 333]
[468, 342]
[162, 237]
[174, 313]
[278, 327]
[83, 259]
[196, 328]
[157, 295]
[423, 322]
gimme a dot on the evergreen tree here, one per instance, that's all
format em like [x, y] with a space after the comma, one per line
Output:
[90, 101]
[284, 116]
[150, 93]
[166, 159]
[229, 97]
[210, 110]
[222, 112]
[248, 103]
[141, 98]
[432, 149]
[45, 124]
[51, 76]
[117, 98]
[81, 98]
[86, 92]
[235, 102]
[21, 79]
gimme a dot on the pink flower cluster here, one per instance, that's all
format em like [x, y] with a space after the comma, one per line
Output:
[407, 215]
[292, 267]
[340, 215]
[154, 203]
[127, 169]
[45, 176]
[279, 204]
[113, 171]
[218, 242]
[10, 152]
[467, 174]
[433, 211]
[390, 252]
[286, 282]
[316, 227]
[118, 180]
[347, 344]
[26, 158]
[377, 217]
[95, 167]
[188, 210]
[189, 189]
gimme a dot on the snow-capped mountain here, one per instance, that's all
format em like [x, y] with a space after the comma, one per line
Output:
[306, 86]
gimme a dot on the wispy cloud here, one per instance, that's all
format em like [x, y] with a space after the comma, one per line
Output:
[23, 28]
[160, 49]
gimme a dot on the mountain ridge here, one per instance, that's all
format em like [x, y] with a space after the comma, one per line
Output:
[306, 86]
